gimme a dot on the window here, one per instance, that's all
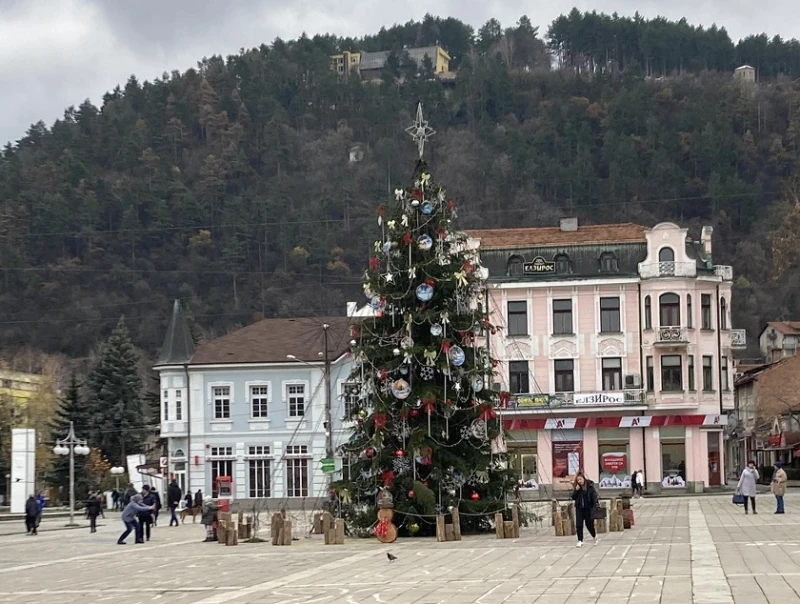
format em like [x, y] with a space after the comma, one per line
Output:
[671, 373]
[708, 373]
[651, 382]
[562, 263]
[723, 314]
[724, 373]
[689, 319]
[666, 254]
[612, 374]
[565, 379]
[669, 310]
[517, 318]
[690, 369]
[296, 398]
[222, 402]
[562, 316]
[666, 262]
[518, 377]
[221, 466]
[608, 263]
[350, 394]
[349, 467]
[648, 313]
[178, 405]
[296, 471]
[516, 266]
[609, 315]
[259, 469]
[259, 401]
[705, 311]
[165, 403]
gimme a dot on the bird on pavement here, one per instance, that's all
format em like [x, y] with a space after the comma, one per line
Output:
[391, 557]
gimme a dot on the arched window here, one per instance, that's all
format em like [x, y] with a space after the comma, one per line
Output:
[689, 320]
[608, 263]
[669, 306]
[723, 314]
[516, 266]
[648, 313]
[666, 254]
[562, 263]
[178, 453]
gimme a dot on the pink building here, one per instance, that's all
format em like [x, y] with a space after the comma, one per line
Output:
[615, 344]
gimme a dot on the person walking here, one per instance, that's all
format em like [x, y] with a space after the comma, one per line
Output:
[640, 483]
[779, 485]
[146, 516]
[129, 515]
[93, 510]
[157, 509]
[115, 499]
[747, 485]
[585, 497]
[31, 515]
[209, 518]
[127, 496]
[174, 495]
[189, 501]
[198, 499]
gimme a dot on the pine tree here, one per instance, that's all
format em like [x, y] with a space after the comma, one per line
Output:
[71, 409]
[115, 398]
[425, 426]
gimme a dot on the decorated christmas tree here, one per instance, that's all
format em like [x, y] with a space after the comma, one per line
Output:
[426, 428]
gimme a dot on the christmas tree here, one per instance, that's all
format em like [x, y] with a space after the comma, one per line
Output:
[426, 427]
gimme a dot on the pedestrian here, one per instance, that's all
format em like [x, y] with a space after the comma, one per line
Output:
[157, 509]
[174, 494]
[40, 501]
[129, 518]
[128, 495]
[93, 510]
[189, 501]
[31, 515]
[209, 518]
[115, 499]
[640, 482]
[198, 499]
[747, 485]
[585, 497]
[779, 485]
[146, 516]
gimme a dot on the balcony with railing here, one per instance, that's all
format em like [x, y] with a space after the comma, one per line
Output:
[738, 339]
[724, 272]
[575, 400]
[671, 336]
[654, 270]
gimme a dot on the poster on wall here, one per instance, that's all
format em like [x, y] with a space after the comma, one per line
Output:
[614, 473]
[566, 463]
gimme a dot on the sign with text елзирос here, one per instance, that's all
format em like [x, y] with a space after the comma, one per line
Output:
[539, 266]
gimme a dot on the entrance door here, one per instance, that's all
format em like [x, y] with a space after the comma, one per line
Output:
[714, 460]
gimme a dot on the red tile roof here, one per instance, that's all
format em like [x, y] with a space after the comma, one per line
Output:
[270, 340]
[787, 328]
[554, 236]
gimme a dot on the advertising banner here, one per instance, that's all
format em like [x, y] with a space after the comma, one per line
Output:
[599, 398]
[566, 463]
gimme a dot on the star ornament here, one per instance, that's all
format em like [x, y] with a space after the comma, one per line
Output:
[420, 131]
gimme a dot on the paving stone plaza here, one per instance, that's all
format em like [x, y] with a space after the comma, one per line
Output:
[702, 550]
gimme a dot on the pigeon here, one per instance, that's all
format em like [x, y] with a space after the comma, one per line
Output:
[391, 557]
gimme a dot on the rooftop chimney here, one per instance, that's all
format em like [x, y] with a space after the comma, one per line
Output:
[568, 225]
[705, 240]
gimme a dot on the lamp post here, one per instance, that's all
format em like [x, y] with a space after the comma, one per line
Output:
[116, 472]
[71, 445]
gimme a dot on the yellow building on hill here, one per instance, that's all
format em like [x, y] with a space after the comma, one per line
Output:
[369, 65]
[20, 388]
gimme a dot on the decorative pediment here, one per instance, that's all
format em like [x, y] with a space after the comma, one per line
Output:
[611, 347]
[566, 349]
[518, 350]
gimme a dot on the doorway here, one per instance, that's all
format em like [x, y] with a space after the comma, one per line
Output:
[714, 460]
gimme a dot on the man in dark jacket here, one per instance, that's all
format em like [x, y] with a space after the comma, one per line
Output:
[129, 518]
[146, 516]
[93, 510]
[31, 515]
[115, 499]
[198, 499]
[174, 495]
[128, 495]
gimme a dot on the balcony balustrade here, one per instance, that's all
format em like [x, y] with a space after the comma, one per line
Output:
[654, 270]
[671, 336]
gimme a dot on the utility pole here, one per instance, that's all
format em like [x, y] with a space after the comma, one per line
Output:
[328, 413]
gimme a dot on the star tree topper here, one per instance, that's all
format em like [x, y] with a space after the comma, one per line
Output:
[420, 131]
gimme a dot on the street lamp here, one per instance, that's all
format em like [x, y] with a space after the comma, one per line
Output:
[71, 445]
[117, 471]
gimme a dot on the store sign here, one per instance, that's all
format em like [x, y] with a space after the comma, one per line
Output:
[600, 398]
[775, 440]
[539, 266]
[529, 401]
[328, 465]
[614, 462]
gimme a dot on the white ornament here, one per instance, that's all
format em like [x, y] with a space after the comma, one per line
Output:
[404, 220]
[399, 194]
[391, 224]
[389, 277]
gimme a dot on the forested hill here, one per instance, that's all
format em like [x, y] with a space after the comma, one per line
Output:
[231, 186]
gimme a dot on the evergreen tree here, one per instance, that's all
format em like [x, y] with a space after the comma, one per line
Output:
[425, 422]
[71, 409]
[115, 398]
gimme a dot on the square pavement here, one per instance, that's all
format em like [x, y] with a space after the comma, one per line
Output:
[702, 549]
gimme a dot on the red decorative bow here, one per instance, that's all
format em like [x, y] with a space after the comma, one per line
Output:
[441, 233]
[379, 420]
[486, 412]
[374, 263]
[446, 347]
[505, 398]
[416, 194]
[451, 204]
[429, 404]
[388, 478]
[407, 238]
[468, 268]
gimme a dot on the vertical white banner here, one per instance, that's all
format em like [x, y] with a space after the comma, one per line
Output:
[23, 468]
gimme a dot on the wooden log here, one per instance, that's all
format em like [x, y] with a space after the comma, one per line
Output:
[440, 536]
[498, 525]
[231, 538]
[287, 532]
[330, 537]
[449, 534]
[317, 528]
[626, 518]
[558, 524]
[568, 527]
[339, 530]
[327, 522]
[456, 525]
[508, 529]
[515, 519]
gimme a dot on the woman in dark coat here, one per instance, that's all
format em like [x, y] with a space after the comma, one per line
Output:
[585, 497]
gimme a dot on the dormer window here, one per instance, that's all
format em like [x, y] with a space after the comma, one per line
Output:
[608, 263]
[666, 254]
[516, 266]
[562, 264]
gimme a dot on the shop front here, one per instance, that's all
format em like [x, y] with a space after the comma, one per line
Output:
[673, 451]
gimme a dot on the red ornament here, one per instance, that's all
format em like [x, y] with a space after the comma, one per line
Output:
[487, 412]
[374, 263]
[416, 194]
[505, 399]
[475, 497]
[370, 452]
[379, 420]
[381, 211]
[399, 453]
[414, 412]
[388, 478]
[383, 374]
[407, 238]
[451, 204]
[430, 281]
[441, 233]
[446, 347]
[411, 494]
[468, 268]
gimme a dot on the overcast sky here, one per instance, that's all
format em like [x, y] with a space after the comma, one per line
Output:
[56, 53]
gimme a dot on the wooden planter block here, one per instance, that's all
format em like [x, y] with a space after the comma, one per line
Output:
[508, 529]
[626, 518]
[317, 527]
[456, 525]
[281, 530]
[335, 534]
[448, 531]
[498, 525]
[515, 519]
[440, 536]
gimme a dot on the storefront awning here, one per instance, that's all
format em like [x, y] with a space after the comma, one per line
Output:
[625, 421]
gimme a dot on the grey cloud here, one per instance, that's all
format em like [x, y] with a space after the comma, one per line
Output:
[56, 53]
